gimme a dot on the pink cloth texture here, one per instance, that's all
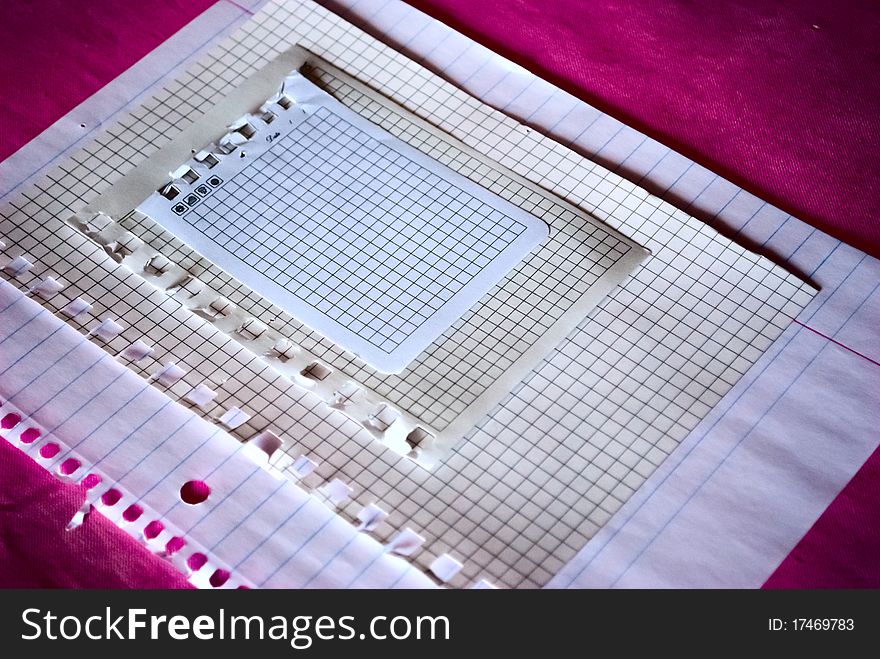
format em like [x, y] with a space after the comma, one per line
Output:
[781, 97]
[54, 54]
[843, 547]
[36, 551]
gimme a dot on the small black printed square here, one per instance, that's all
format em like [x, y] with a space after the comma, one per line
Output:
[191, 199]
[178, 208]
[203, 190]
[214, 181]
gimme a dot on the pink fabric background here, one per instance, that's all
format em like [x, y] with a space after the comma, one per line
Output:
[36, 551]
[54, 54]
[751, 89]
[843, 547]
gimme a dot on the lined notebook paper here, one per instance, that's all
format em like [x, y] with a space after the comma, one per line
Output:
[82, 414]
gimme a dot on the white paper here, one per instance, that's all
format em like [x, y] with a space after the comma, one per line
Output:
[726, 507]
[357, 234]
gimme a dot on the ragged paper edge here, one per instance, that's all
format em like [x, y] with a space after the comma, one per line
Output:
[106, 496]
[194, 561]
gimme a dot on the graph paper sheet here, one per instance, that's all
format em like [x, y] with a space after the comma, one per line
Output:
[545, 469]
[364, 238]
[430, 405]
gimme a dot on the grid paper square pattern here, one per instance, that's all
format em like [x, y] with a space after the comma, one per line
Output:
[475, 352]
[557, 458]
[352, 228]
[443, 383]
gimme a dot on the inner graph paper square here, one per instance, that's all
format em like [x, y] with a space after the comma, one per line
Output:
[375, 246]
[480, 270]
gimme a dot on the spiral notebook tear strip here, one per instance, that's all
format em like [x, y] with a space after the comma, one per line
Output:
[60, 402]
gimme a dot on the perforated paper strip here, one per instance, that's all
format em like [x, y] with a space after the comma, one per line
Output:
[183, 487]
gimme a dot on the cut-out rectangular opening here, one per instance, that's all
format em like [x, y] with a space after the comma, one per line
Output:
[210, 161]
[247, 130]
[169, 192]
[316, 371]
[418, 436]
[267, 441]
